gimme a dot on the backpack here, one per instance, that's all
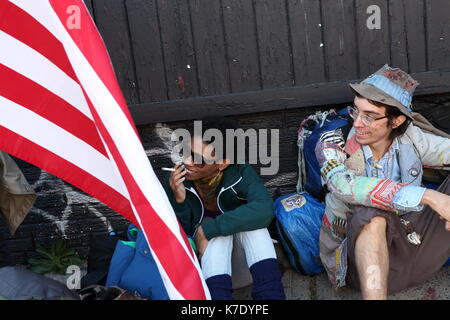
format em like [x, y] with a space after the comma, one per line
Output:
[310, 130]
[134, 269]
[298, 221]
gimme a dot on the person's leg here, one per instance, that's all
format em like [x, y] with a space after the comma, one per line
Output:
[216, 267]
[372, 259]
[380, 230]
[263, 264]
[409, 264]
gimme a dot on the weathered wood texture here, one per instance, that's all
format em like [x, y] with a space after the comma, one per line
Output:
[176, 58]
[274, 48]
[305, 25]
[147, 50]
[373, 44]
[438, 34]
[270, 100]
[242, 45]
[209, 42]
[112, 21]
[178, 49]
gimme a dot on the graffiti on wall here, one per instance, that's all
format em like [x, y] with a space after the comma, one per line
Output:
[65, 198]
[62, 207]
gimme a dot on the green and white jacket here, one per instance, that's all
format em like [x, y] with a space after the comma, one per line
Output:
[243, 200]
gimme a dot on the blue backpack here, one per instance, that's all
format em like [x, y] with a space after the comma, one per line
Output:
[133, 268]
[299, 215]
[298, 222]
[308, 135]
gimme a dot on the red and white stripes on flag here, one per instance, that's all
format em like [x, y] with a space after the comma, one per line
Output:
[62, 110]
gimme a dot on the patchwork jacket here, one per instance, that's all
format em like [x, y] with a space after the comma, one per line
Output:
[343, 172]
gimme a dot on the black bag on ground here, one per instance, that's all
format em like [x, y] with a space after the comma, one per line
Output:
[5, 259]
[97, 292]
[101, 250]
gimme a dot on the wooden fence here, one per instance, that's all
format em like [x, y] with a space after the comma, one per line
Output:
[179, 59]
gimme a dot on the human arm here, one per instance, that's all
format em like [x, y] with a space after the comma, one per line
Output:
[176, 179]
[433, 150]
[255, 213]
[350, 186]
[435, 153]
[171, 184]
[200, 241]
[439, 202]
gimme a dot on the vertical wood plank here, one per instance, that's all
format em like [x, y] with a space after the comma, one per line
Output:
[146, 42]
[112, 23]
[373, 44]
[273, 40]
[210, 51]
[341, 55]
[398, 46]
[438, 33]
[178, 49]
[415, 35]
[307, 43]
[240, 35]
[88, 4]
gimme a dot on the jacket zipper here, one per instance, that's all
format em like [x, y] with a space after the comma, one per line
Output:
[203, 210]
[224, 189]
[201, 203]
[242, 199]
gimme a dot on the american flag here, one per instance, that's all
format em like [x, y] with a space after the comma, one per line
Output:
[63, 111]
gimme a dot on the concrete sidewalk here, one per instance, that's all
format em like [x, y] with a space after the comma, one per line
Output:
[298, 287]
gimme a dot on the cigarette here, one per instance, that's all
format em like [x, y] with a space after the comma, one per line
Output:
[172, 169]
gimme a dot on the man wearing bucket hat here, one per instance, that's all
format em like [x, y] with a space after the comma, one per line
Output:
[382, 231]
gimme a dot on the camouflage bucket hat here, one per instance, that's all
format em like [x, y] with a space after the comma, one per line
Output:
[390, 86]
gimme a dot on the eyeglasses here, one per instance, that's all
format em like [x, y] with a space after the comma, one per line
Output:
[366, 120]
